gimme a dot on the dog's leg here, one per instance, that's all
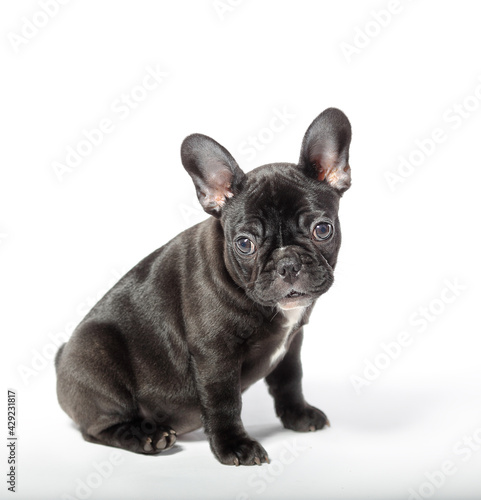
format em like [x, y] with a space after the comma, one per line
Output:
[221, 402]
[285, 385]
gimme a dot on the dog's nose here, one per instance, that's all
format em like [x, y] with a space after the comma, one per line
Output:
[288, 268]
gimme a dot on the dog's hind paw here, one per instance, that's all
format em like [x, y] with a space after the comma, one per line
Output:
[166, 440]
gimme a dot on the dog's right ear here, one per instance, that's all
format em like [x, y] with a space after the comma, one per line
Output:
[215, 173]
[325, 149]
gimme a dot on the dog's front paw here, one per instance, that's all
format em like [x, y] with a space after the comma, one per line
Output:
[303, 418]
[238, 451]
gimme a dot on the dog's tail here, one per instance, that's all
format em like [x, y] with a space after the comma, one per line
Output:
[57, 356]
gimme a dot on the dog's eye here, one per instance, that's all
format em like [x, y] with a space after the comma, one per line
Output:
[322, 231]
[245, 246]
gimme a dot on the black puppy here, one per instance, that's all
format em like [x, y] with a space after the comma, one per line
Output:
[172, 346]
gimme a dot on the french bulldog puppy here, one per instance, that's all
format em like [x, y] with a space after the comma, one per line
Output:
[172, 346]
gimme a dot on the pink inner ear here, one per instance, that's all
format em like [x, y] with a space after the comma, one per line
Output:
[335, 175]
[321, 173]
[221, 182]
[323, 168]
[218, 191]
[216, 201]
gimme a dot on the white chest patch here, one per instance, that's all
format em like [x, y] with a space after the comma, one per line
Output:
[292, 317]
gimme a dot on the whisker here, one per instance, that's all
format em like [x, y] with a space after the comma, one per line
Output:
[275, 314]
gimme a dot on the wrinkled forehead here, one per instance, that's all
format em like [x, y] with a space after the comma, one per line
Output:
[282, 196]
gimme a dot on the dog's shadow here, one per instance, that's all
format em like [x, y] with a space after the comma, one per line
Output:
[258, 432]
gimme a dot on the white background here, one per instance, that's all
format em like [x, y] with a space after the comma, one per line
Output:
[66, 239]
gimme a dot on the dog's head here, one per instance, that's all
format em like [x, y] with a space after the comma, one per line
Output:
[280, 221]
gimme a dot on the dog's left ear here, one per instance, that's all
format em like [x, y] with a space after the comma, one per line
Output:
[325, 149]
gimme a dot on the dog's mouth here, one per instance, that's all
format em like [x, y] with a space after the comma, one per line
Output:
[295, 293]
[295, 299]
